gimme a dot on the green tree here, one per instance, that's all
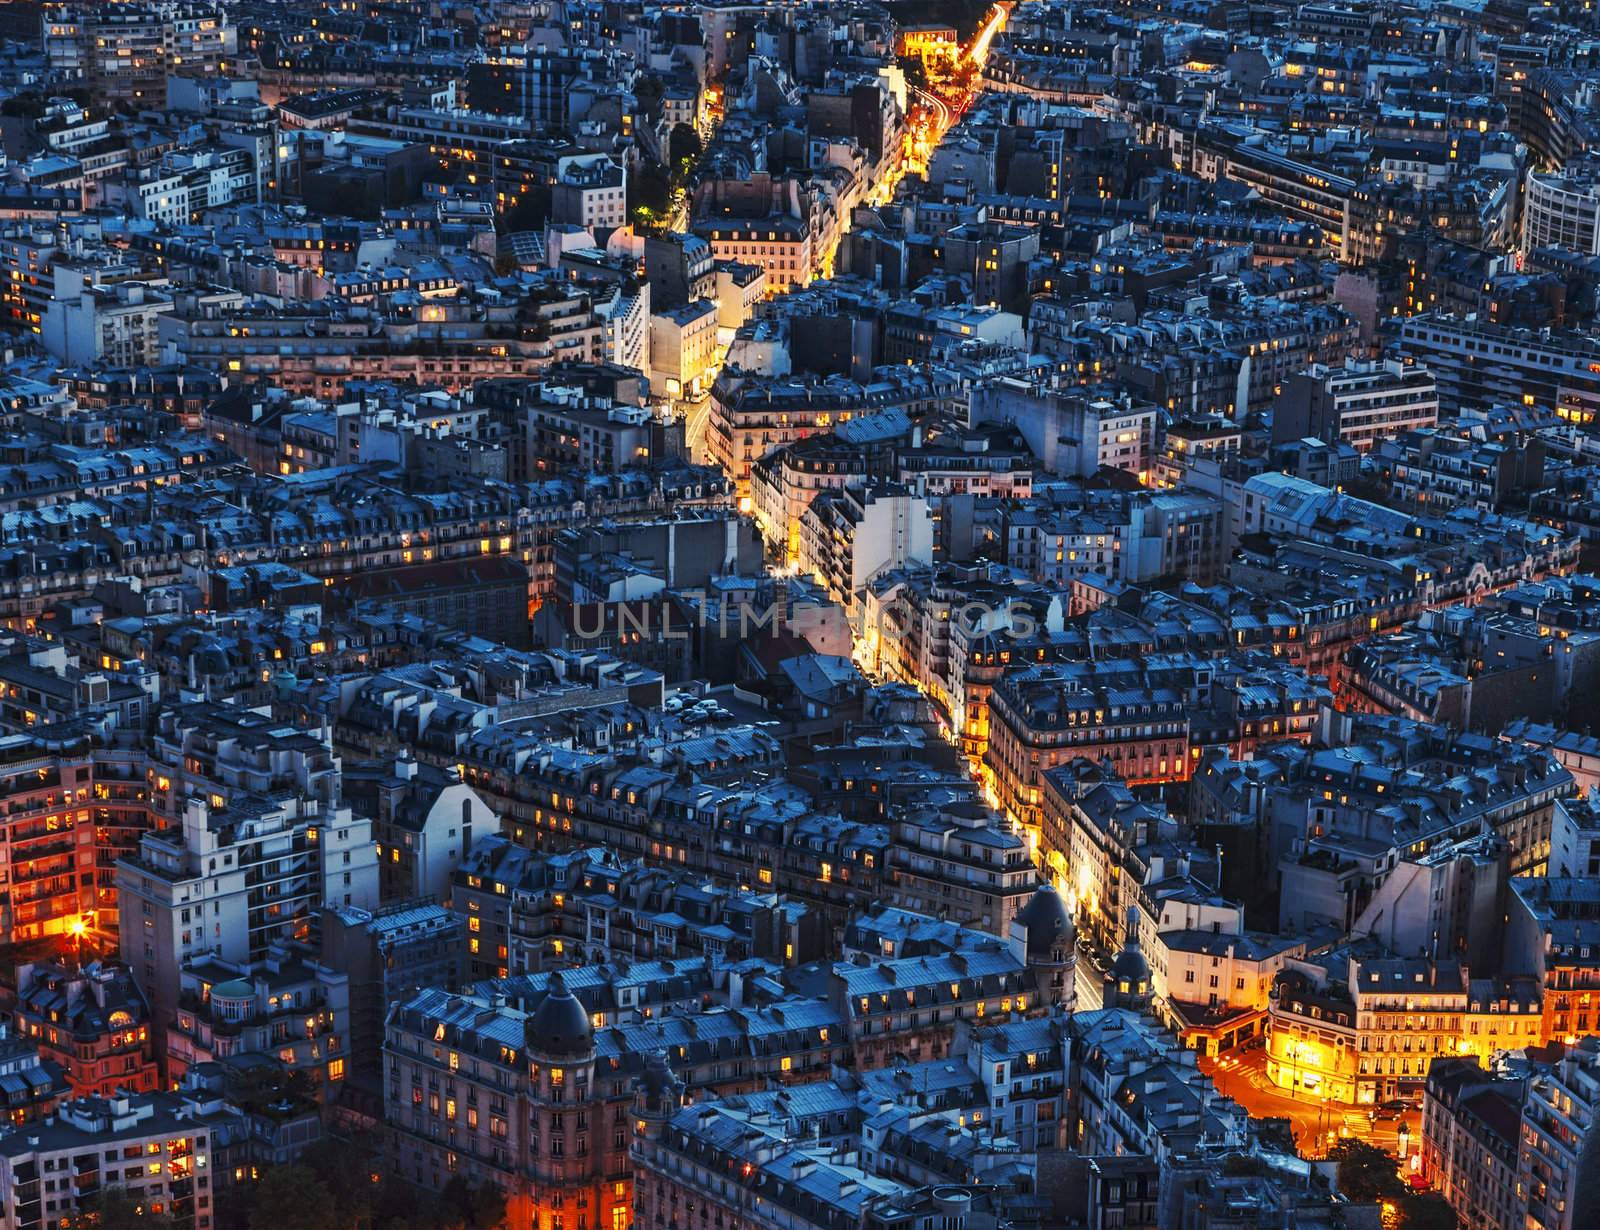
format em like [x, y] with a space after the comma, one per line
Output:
[1366, 1172]
[114, 1209]
[293, 1196]
[1427, 1211]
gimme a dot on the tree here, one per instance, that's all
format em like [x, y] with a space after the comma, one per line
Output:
[1427, 1211]
[1366, 1172]
[647, 95]
[649, 197]
[351, 1171]
[470, 1207]
[29, 106]
[267, 1085]
[683, 149]
[293, 1196]
[113, 1209]
[915, 70]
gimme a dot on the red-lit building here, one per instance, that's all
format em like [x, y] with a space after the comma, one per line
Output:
[70, 811]
[93, 1022]
[30, 1087]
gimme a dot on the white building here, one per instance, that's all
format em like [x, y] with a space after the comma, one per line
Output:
[740, 289]
[626, 319]
[425, 819]
[1071, 432]
[150, 1146]
[849, 536]
[115, 325]
[590, 190]
[1561, 209]
[1361, 403]
[683, 348]
[252, 845]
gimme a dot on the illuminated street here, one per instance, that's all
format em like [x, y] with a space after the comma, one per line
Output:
[707, 616]
[980, 45]
[1242, 1076]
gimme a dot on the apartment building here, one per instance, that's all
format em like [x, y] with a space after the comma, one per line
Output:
[87, 321]
[388, 955]
[1092, 835]
[850, 535]
[750, 415]
[1043, 716]
[92, 1021]
[1361, 404]
[1432, 470]
[1477, 364]
[1561, 208]
[1367, 1030]
[920, 1166]
[591, 907]
[126, 52]
[1301, 190]
[286, 1006]
[249, 842]
[590, 191]
[1556, 1162]
[965, 867]
[763, 221]
[786, 480]
[151, 1146]
[683, 348]
[479, 1090]
[424, 819]
[1549, 923]
[448, 345]
[70, 813]
[1070, 430]
[1212, 987]
[1471, 1142]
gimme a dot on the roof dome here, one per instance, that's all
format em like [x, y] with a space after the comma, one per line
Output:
[1131, 982]
[1048, 924]
[1131, 968]
[559, 1025]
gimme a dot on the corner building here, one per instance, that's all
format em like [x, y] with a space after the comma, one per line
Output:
[515, 1099]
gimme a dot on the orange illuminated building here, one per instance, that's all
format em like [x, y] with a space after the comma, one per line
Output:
[1042, 716]
[927, 41]
[93, 1022]
[517, 1099]
[70, 812]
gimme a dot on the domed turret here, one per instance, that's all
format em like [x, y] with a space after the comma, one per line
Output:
[1048, 925]
[559, 1026]
[1043, 936]
[1131, 984]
